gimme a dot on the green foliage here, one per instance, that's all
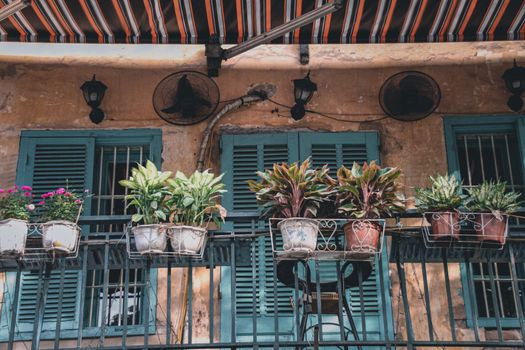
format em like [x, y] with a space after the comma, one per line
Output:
[193, 200]
[292, 190]
[444, 194]
[493, 196]
[147, 193]
[368, 191]
[15, 203]
[60, 205]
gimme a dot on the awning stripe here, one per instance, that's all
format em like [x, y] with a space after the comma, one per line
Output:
[193, 21]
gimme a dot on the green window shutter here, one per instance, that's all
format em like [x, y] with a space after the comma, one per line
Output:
[47, 163]
[242, 156]
[336, 149]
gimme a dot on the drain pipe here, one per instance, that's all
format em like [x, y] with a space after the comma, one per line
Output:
[257, 94]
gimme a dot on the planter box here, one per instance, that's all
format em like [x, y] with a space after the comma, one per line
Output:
[13, 234]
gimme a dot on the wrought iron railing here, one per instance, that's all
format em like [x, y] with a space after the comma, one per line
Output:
[411, 296]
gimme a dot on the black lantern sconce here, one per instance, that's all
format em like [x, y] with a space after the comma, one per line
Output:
[515, 82]
[303, 90]
[93, 91]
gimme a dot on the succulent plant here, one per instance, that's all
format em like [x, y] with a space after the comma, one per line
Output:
[294, 190]
[193, 199]
[444, 194]
[369, 191]
[148, 193]
[493, 197]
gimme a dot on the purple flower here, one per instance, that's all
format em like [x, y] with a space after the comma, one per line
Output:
[26, 188]
[61, 190]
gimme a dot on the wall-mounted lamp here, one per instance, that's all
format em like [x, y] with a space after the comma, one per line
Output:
[93, 91]
[515, 82]
[303, 90]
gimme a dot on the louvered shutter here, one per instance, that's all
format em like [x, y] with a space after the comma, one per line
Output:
[242, 156]
[336, 149]
[47, 163]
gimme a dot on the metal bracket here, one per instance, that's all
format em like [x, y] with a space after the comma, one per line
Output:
[215, 54]
[304, 54]
[13, 7]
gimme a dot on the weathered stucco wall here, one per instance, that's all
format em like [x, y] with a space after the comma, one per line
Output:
[41, 91]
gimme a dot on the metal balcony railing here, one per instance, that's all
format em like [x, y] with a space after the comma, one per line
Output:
[238, 296]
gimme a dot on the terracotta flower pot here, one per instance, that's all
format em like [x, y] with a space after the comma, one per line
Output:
[489, 227]
[362, 236]
[445, 225]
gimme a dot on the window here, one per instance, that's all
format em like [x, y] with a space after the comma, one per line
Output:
[242, 155]
[479, 151]
[95, 160]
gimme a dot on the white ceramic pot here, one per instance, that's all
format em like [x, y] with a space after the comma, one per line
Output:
[187, 240]
[299, 234]
[150, 239]
[13, 234]
[60, 236]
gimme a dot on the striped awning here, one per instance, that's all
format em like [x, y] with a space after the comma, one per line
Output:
[193, 21]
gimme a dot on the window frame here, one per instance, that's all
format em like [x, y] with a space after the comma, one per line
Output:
[132, 137]
[454, 125]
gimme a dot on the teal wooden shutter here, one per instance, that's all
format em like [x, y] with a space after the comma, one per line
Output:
[336, 149]
[242, 156]
[46, 163]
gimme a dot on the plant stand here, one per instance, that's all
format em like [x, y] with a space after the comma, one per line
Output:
[331, 243]
[474, 231]
[175, 251]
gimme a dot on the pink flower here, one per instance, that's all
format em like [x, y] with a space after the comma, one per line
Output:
[48, 194]
[27, 194]
[41, 203]
[16, 187]
[61, 190]
[10, 191]
[78, 201]
[30, 207]
[68, 194]
[2, 190]
[26, 188]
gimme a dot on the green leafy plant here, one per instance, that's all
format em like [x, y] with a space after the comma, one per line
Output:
[368, 191]
[294, 190]
[493, 197]
[444, 194]
[147, 193]
[15, 203]
[193, 200]
[61, 204]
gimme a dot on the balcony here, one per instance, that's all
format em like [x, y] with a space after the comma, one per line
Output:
[414, 297]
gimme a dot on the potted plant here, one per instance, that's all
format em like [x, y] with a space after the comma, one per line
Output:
[491, 202]
[15, 208]
[294, 193]
[147, 195]
[441, 202]
[192, 206]
[364, 194]
[59, 212]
